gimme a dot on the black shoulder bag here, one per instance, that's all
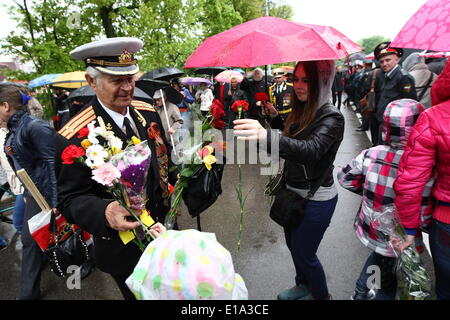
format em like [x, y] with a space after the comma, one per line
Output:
[68, 249]
[288, 208]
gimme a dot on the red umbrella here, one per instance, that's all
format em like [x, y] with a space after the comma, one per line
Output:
[428, 28]
[270, 40]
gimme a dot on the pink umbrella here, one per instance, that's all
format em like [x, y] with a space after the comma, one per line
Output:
[437, 55]
[270, 40]
[428, 28]
[227, 75]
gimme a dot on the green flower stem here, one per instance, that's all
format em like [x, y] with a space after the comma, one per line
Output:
[176, 203]
[239, 194]
[144, 227]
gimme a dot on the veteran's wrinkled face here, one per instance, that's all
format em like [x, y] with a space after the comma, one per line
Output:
[115, 92]
[389, 62]
[279, 80]
[301, 84]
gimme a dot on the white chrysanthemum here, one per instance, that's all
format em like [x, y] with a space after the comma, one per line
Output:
[92, 134]
[108, 135]
[99, 131]
[96, 156]
[92, 139]
[115, 143]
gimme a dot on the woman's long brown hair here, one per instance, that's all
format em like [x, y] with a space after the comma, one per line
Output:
[303, 113]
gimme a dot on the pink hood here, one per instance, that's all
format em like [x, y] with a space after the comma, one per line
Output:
[440, 91]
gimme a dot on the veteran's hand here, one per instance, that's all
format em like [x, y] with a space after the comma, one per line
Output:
[157, 229]
[249, 129]
[116, 217]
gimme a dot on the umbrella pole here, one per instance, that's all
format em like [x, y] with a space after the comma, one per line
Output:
[167, 118]
[265, 78]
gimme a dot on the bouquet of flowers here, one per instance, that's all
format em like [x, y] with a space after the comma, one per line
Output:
[122, 172]
[193, 161]
[413, 281]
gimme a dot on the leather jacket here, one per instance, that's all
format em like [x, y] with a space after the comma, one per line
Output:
[32, 146]
[311, 154]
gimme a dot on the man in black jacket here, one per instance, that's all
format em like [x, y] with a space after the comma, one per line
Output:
[338, 87]
[396, 83]
[110, 71]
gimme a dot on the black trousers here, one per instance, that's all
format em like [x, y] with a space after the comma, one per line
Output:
[126, 292]
[33, 258]
[337, 96]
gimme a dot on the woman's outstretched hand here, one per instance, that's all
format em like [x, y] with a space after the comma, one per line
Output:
[249, 129]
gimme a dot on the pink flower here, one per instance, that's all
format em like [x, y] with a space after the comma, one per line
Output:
[106, 174]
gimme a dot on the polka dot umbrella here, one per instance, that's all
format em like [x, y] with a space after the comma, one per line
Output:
[428, 28]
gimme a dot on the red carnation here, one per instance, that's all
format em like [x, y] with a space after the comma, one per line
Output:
[240, 104]
[218, 124]
[83, 132]
[217, 109]
[261, 96]
[71, 153]
[56, 118]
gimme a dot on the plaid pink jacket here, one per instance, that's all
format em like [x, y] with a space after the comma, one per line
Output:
[373, 172]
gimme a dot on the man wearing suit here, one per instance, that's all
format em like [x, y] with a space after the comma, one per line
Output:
[110, 70]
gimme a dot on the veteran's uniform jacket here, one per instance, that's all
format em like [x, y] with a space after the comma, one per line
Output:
[398, 85]
[83, 201]
[280, 97]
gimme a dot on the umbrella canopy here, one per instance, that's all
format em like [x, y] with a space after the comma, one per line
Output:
[196, 81]
[214, 71]
[43, 80]
[428, 28]
[70, 80]
[164, 74]
[150, 86]
[270, 40]
[86, 91]
[225, 76]
[435, 55]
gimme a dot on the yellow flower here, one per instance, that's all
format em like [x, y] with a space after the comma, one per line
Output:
[135, 140]
[208, 161]
[211, 149]
[115, 151]
[86, 144]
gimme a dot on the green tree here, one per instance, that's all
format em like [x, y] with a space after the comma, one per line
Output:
[47, 31]
[370, 43]
[170, 32]
[249, 10]
[282, 11]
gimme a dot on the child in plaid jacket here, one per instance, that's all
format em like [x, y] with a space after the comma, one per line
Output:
[372, 174]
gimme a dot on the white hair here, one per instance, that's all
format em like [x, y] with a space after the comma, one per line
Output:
[95, 74]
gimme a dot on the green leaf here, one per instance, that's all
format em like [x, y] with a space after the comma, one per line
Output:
[187, 172]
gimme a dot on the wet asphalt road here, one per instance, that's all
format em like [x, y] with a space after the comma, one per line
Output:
[263, 260]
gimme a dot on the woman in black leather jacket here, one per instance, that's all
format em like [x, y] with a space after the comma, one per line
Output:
[309, 142]
[30, 146]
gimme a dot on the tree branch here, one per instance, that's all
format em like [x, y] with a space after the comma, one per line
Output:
[25, 10]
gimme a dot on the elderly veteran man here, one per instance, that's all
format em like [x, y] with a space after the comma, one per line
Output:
[110, 70]
[394, 83]
[280, 93]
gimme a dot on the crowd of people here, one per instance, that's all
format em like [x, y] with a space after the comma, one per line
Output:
[404, 107]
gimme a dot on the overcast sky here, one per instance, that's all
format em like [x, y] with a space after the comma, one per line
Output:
[356, 19]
